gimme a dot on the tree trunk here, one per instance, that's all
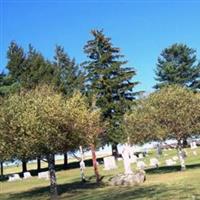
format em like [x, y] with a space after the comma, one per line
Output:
[52, 174]
[115, 152]
[24, 166]
[65, 160]
[1, 168]
[94, 161]
[185, 143]
[38, 164]
[82, 164]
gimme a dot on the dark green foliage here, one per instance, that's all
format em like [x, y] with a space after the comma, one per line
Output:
[37, 70]
[110, 81]
[16, 60]
[178, 65]
[68, 76]
[7, 84]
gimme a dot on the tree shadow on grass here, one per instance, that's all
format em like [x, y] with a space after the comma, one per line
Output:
[87, 191]
[168, 169]
[37, 193]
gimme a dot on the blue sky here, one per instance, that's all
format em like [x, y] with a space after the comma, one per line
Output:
[140, 28]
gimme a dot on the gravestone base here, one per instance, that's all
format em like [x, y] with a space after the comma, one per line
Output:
[128, 179]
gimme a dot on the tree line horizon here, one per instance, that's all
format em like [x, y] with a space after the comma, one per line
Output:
[59, 105]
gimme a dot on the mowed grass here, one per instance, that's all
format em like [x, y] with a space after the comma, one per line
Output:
[163, 183]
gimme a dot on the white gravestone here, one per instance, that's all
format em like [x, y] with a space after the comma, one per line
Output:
[126, 154]
[141, 165]
[109, 163]
[175, 158]
[44, 175]
[27, 175]
[194, 153]
[193, 145]
[14, 177]
[170, 162]
[154, 162]
[134, 159]
[141, 155]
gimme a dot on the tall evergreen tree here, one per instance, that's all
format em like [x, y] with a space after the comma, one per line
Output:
[68, 76]
[16, 60]
[178, 65]
[111, 81]
[37, 69]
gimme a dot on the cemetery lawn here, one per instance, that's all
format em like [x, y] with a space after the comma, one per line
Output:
[164, 183]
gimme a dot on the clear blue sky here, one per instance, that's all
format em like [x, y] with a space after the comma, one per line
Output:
[140, 28]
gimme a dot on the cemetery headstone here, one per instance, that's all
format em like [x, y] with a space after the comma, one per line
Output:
[154, 162]
[14, 177]
[175, 158]
[194, 153]
[193, 145]
[109, 163]
[170, 162]
[27, 175]
[141, 165]
[44, 175]
[141, 155]
[134, 159]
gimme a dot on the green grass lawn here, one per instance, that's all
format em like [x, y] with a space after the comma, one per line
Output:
[164, 183]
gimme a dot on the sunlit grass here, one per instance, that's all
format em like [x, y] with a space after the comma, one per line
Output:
[164, 183]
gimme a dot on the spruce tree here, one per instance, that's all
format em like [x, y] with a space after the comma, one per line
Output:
[68, 75]
[16, 60]
[110, 81]
[178, 65]
[68, 78]
[37, 70]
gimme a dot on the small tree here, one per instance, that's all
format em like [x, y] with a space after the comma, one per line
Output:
[172, 112]
[41, 122]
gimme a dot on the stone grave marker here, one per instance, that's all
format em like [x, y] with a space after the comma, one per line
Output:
[154, 162]
[109, 163]
[27, 175]
[44, 175]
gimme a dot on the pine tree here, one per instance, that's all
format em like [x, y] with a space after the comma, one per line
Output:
[37, 69]
[111, 82]
[16, 59]
[178, 65]
[68, 76]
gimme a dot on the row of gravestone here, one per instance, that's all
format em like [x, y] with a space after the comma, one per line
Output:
[26, 175]
[110, 163]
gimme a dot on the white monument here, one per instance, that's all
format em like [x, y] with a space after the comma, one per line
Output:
[109, 163]
[126, 154]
